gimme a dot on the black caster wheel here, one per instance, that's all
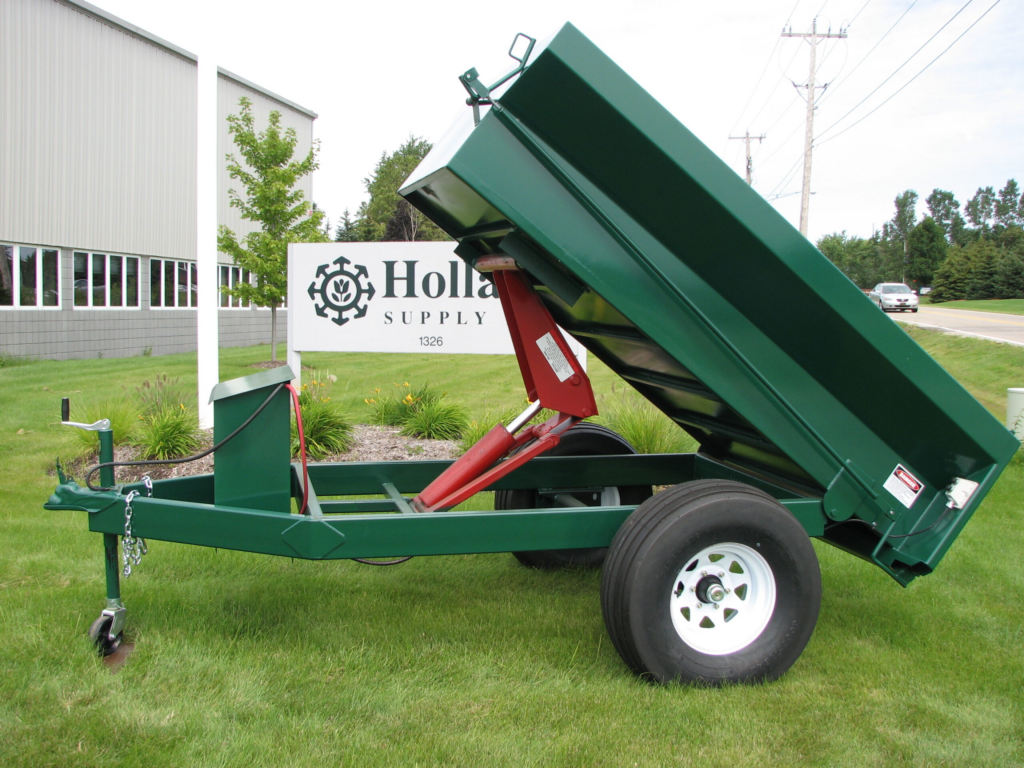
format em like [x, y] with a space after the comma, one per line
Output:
[99, 633]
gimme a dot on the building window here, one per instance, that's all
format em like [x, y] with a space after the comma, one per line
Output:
[29, 277]
[229, 278]
[173, 284]
[106, 280]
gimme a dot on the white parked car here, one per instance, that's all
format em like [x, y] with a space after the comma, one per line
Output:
[894, 296]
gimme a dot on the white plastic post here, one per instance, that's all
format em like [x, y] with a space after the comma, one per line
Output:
[293, 356]
[1015, 412]
[208, 335]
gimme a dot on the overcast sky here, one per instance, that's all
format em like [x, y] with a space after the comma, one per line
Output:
[378, 72]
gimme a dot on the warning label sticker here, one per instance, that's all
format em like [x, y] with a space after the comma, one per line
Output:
[549, 348]
[904, 486]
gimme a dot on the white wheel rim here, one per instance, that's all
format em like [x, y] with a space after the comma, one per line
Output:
[738, 619]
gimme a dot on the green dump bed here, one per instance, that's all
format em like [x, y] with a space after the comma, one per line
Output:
[671, 270]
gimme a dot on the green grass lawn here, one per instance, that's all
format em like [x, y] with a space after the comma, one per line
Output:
[245, 660]
[1008, 306]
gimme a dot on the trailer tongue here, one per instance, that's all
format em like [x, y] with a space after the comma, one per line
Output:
[591, 206]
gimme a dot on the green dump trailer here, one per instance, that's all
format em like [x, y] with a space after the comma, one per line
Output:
[590, 206]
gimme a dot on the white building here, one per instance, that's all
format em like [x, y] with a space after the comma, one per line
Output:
[98, 186]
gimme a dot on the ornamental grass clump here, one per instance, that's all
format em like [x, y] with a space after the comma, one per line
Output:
[436, 420]
[395, 408]
[419, 411]
[168, 421]
[172, 432]
[164, 393]
[326, 429]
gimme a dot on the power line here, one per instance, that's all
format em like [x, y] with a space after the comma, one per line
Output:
[761, 77]
[785, 179]
[872, 49]
[859, 13]
[901, 66]
[913, 78]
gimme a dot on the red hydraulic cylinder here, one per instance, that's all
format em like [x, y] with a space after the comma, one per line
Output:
[551, 374]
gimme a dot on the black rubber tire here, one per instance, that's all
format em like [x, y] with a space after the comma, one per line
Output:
[913, 310]
[99, 634]
[655, 544]
[881, 307]
[584, 439]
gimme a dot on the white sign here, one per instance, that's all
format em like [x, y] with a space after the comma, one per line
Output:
[393, 297]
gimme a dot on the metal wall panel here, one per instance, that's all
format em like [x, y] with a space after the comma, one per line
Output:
[97, 134]
[229, 91]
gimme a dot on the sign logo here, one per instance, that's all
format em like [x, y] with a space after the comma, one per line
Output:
[341, 291]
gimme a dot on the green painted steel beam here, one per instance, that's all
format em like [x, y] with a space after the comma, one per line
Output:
[379, 535]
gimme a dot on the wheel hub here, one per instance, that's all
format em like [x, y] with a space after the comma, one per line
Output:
[710, 590]
[723, 598]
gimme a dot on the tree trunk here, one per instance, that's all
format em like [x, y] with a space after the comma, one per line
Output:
[273, 334]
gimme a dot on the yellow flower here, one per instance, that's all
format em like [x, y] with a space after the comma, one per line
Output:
[369, 400]
[407, 383]
[304, 387]
[182, 406]
[377, 390]
[327, 399]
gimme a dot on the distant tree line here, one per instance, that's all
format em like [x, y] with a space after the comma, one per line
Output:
[978, 254]
[386, 216]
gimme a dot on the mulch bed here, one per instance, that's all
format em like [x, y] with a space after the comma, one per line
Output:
[371, 444]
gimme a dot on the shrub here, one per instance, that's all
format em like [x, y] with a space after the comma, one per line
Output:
[163, 394]
[645, 427]
[170, 433]
[436, 420]
[124, 420]
[396, 408]
[326, 429]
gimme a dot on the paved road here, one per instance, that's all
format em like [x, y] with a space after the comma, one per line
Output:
[963, 322]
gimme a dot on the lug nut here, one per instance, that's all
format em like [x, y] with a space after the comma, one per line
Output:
[721, 574]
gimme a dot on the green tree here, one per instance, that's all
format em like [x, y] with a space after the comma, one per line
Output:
[950, 281]
[899, 227]
[1007, 207]
[347, 230]
[945, 209]
[857, 258]
[926, 249]
[386, 215]
[981, 280]
[1009, 277]
[269, 175]
[981, 208]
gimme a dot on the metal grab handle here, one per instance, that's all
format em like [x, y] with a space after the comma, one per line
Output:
[96, 426]
[65, 418]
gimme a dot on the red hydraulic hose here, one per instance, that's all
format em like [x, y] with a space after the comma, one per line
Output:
[302, 449]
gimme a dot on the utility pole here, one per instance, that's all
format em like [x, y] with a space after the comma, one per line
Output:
[747, 138]
[812, 37]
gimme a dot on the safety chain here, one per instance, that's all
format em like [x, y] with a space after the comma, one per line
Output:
[133, 548]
